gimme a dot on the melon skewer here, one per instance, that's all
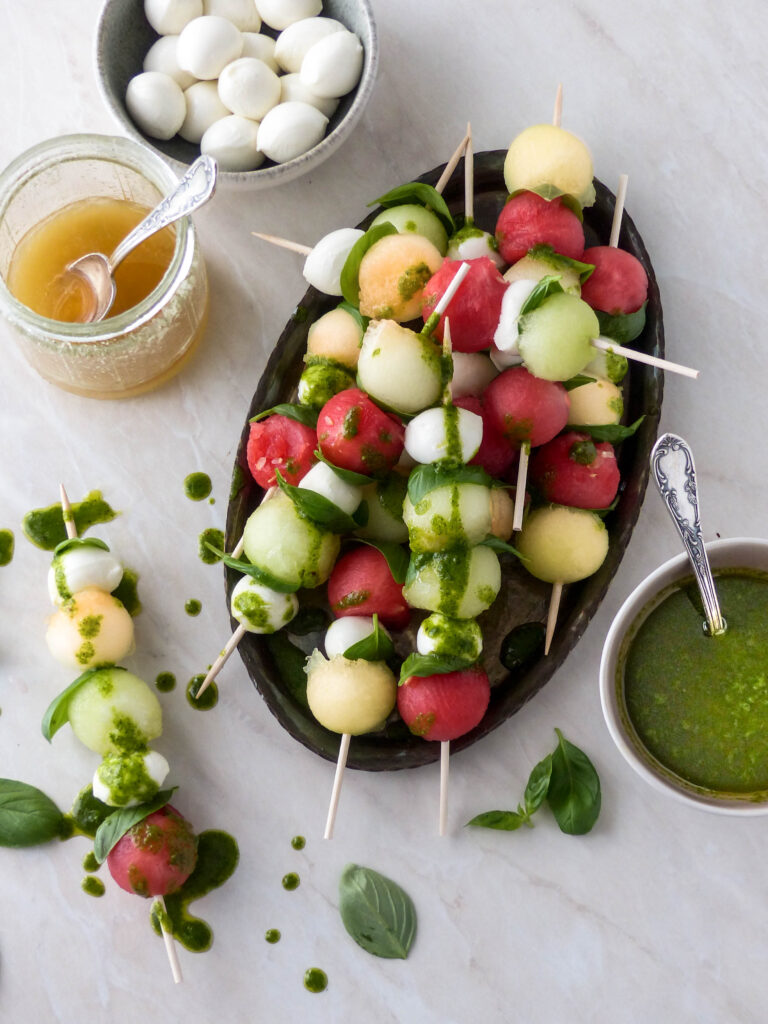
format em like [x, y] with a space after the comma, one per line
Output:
[445, 745]
[618, 210]
[338, 778]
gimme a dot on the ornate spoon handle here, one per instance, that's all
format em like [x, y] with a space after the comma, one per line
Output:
[675, 475]
[195, 188]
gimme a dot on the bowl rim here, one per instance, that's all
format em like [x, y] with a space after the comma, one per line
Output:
[277, 174]
[730, 552]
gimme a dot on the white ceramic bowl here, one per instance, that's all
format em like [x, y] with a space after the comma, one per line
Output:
[739, 553]
[123, 37]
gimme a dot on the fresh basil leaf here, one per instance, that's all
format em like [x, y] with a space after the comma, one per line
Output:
[547, 254]
[538, 785]
[507, 821]
[613, 433]
[301, 413]
[426, 478]
[521, 646]
[350, 272]
[260, 575]
[355, 313]
[347, 475]
[497, 544]
[290, 661]
[317, 507]
[547, 286]
[622, 327]
[57, 713]
[308, 620]
[376, 647]
[396, 555]
[27, 816]
[113, 828]
[578, 381]
[377, 913]
[79, 542]
[421, 195]
[431, 665]
[360, 515]
[574, 789]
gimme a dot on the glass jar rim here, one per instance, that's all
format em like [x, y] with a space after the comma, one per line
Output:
[111, 149]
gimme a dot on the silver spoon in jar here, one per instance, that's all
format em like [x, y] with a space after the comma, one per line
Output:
[675, 475]
[96, 270]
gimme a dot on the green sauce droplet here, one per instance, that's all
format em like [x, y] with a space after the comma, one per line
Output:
[298, 842]
[90, 863]
[210, 536]
[165, 682]
[291, 881]
[208, 700]
[127, 591]
[272, 935]
[6, 546]
[93, 886]
[315, 980]
[87, 813]
[197, 486]
[45, 527]
[193, 606]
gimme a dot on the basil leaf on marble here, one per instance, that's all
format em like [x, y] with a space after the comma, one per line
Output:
[622, 327]
[377, 912]
[350, 272]
[260, 575]
[112, 829]
[376, 647]
[57, 713]
[431, 665]
[27, 816]
[79, 542]
[547, 286]
[301, 413]
[397, 557]
[317, 507]
[574, 789]
[420, 194]
[611, 432]
[538, 784]
[426, 478]
[347, 475]
[505, 821]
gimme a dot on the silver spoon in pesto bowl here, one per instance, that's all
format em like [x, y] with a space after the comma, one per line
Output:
[96, 271]
[674, 472]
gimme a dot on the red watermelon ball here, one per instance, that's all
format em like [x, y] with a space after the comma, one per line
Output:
[278, 442]
[528, 220]
[444, 706]
[156, 856]
[618, 284]
[474, 310]
[525, 408]
[496, 454]
[361, 584]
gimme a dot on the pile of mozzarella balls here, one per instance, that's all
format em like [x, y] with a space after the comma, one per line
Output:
[215, 78]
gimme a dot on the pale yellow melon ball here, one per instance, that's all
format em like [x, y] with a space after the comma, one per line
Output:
[392, 276]
[92, 628]
[533, 268]
[595, 404]
[346, 696]
[502, 513]
[336, 335]
[562, 545]
[552, 162]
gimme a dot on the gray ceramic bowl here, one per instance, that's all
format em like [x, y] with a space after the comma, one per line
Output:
[124, 35]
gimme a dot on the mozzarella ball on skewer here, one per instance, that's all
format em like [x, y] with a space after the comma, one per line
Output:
[114, 711]
[204, 108]
[470, 242]
[82, 567]
[233, 142]
[444, 433]
[161, 56]
[545, 263]
[260, 609]
[156, 103]
[249, 87]
[126, 780]
[294, 42]
[352, 697]
[507, 333]
[322, 480]
[321, 380]
[206, 45]
[343, 633]
[168, 17]
[92, 628]
[439, 634]
[332, 66]
[323, 266]
[290, 129]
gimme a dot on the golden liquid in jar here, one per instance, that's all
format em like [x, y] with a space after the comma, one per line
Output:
[36, 276]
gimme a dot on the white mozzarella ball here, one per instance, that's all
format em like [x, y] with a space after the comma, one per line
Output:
[204, 107]
[472, 373]
[280, 14]
[242, 13]
[168, 17]
[232, 142]
[507, 330]
[262, 47]
[206, 45]
[473, 246]
[333, 65]
[126, 780]
[292, 88]
[322, 480]
[261, 609]
[440, 634]
[156, 103]
[346, 631]
[294, 42]
[82, 568]
[161, 56]
[249, 87]
[323, 266]
[289, 130]
[428, 435]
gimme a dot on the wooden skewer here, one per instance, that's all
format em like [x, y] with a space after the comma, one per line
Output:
[618, 210]
[554, 607]
[285, 243]
[557, 114]
[170, 945]
[450, 167]
[522, 480]
[338, 778]
[222, 659]
[469, 178]
[67, 515]
[605, 345]
[445, 755]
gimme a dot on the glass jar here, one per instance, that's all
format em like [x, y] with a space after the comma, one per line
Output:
[140, 348]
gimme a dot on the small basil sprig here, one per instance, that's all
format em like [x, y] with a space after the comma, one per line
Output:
[27, 816]
[396, 555]
[355, 313]
[301, 413]
[349, 476]
[431, 665]
[497, 544]
[112, 829]
[547, 254]
[613, 433]
[260, 575]
[79, 542]
[578, 381]
[377, 912]
[350, 272]
[318, 508]
[550, 192]
[547, 286]
[622, 327]
[376, 647]
[420, 194]
[57, 713]
[567, 779]
[426, 478]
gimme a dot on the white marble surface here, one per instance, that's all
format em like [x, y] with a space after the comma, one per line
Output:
[659, 915]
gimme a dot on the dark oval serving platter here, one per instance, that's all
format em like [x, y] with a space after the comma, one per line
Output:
[275, 664]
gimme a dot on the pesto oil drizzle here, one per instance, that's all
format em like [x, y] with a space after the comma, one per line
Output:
[197, 486]
[208, 700]
[6, 547]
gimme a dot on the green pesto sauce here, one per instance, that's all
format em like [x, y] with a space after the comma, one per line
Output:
[125, 734]
[197, 486]
[452, 571]
[291, 881]
[193, 606]
[453, 452]
[460, 638]
[616, 405]
[254, 609]
[85, 653]
[699, 703]
[217, 857]
[90, 626]
[45, 527]
[87, 814]
[236, 484]
[315, 980]
[391, 494]
[210, 536]
[208, 700]
[272, 935]
[127, 591]
[90, 863]
[298, 842]
[413, 280]
[165, 682]
[466, 232]
[352, 600]
[6, 546]
[351, 422]
[92, 886]
[126, 777]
